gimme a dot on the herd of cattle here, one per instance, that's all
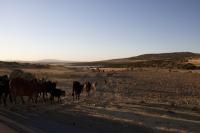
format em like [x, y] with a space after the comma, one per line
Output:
[35, 89]
[78, 89]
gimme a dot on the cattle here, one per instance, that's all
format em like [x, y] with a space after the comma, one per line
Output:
[41, 89]
[48, 87]
[20, 87]
[87, 87]
[77, 90]
[94, 87]
[4, 89]
[57, 93]
[45, 88]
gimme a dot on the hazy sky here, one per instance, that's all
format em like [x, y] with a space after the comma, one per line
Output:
[96, 29]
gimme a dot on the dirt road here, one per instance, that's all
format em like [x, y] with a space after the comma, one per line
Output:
[14, 120]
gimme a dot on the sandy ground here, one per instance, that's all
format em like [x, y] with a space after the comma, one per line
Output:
[141, 100]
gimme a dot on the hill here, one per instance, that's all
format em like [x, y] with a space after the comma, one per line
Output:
[17, 65]
[178, 60]
[167, 56]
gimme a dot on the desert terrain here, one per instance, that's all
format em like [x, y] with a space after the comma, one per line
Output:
[139, 99]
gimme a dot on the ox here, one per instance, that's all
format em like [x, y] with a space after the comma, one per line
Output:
[4, 89]
[90, 87]
[21, 87]
[77, 90]
[57, 93]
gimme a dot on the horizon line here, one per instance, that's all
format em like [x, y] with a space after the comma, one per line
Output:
[63, 60]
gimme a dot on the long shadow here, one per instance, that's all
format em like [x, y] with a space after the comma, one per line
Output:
[178, 124]
[164, 111]
[23, 123]
[52, 122]
[16, 121]
[99, 124]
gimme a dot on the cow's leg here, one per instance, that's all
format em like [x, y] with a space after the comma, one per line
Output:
[36, 99]
[52, 99]
[74, 97]
[78, 96]
[22, 100]
[29, 99]
[44, 99]
[58, 99]
[10, 97]
[0, 98]
[5, 98]
[15, 99]
[73, 94]
[4, 101]
[46, 95]
[32, 99]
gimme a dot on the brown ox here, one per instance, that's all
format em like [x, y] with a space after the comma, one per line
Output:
[87, 87]
[21, 87]
[90, 87]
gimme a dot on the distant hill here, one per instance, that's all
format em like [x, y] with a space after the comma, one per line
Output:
[180, 60]
[161, 60]
[167, 56]
[18, 65]
[32, 64]
[53, 62]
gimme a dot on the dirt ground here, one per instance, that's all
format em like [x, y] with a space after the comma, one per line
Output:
[138, 100]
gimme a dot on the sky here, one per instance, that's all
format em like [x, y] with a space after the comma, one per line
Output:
[89, 30]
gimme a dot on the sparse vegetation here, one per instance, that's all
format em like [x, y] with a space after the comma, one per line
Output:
[155, 91]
